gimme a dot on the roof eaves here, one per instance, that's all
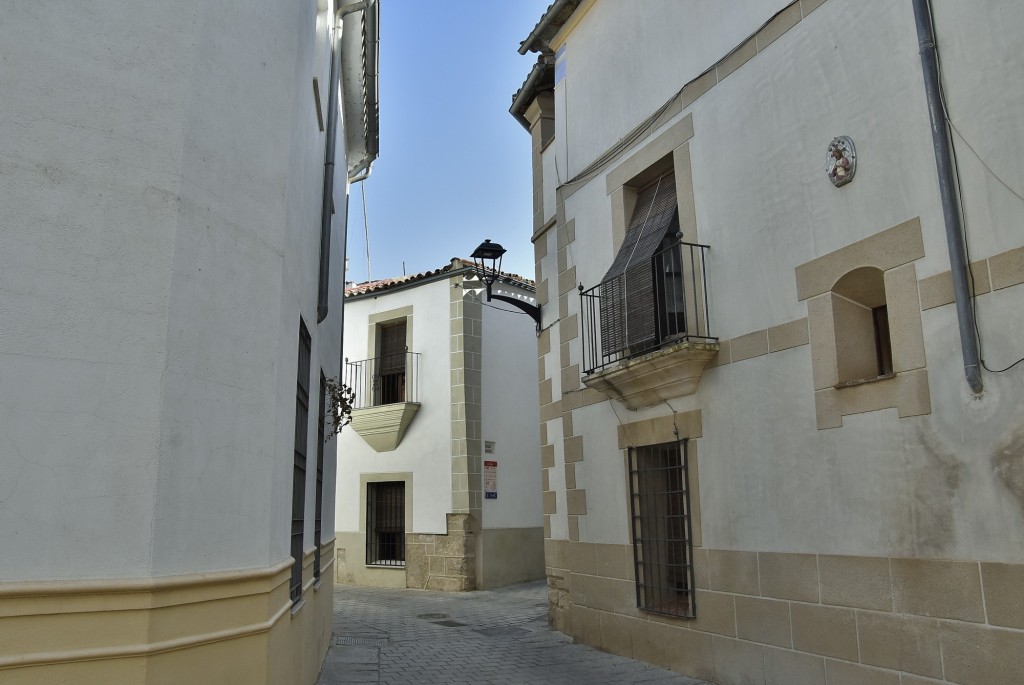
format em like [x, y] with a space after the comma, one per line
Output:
[457, 265]
[550, 23]
[540, 78]
[360, 84]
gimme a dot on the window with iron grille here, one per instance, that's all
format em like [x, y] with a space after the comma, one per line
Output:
[662, 536]
[385, 523]
[299, 464]
[318, 527]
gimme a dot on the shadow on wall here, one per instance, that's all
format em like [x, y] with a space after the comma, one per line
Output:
[1008, 464]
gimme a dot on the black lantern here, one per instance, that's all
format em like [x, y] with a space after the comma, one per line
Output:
[487, 265]
[487, 261]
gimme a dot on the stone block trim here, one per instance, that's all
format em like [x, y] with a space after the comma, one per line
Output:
[737, 58]
[937, 290]
[466, 330]
[999, 271]
[907, 392]
[886, 250]
[750, 345]
[660, 430]
[443, 562]
[567, 282]
[802, 619]
[891, 252]
[1005, 581]
[767, 341]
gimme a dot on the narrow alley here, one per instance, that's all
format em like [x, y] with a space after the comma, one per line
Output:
[501, 636]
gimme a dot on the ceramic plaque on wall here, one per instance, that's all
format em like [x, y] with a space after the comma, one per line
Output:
[841, 162]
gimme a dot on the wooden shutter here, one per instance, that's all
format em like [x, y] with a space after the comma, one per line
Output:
[628, 301]
[392, 347]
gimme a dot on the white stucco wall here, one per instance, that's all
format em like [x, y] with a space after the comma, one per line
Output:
[425, 451]
[510, 416]
[769, 480]
[636, 58]
[161, 243]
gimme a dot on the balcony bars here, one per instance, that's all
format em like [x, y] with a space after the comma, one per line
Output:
[388, 379]
[650, 306]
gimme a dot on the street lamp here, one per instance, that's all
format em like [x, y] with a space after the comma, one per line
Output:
[487, 266]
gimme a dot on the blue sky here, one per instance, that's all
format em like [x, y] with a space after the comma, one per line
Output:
[454, 166]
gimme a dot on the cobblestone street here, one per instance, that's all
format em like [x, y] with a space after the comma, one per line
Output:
[394, 637]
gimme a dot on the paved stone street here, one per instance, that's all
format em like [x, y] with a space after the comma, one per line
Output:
[501, 636]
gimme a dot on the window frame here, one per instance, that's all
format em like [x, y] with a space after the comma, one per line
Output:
[892, 251]
[650, 571]
[861, 321]
[374, 491]
[390, 372]
[666, 153]
[318, 513]
[376, 324]
[298, 526]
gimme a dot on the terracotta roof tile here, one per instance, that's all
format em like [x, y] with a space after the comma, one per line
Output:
[384, 284]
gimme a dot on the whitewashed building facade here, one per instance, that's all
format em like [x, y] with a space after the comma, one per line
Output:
[166, 316]
[768, 456]
[439, 482]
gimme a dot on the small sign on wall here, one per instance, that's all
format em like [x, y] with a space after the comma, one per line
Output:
[490, 479]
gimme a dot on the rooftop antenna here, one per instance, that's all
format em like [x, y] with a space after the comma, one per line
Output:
[403, 267]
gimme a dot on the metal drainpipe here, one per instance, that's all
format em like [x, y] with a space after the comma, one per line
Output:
[950, 209]
[327, 203]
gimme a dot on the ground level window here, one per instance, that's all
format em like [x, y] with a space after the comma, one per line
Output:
[662, 547]
[385, 523]
[299, 463]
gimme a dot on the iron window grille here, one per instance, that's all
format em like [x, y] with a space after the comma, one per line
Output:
[299, 463]
[385, 523]
[318, 521]
[661, 527]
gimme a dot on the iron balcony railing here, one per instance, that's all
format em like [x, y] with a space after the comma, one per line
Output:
[388, 379]
[660, 302]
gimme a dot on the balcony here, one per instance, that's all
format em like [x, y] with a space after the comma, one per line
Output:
[646, 334]
[386, 397]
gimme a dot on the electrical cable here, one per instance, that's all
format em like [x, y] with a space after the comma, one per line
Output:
[366, 229]
[982, 161]
[963, 208]
[644, 127]
[502, 309]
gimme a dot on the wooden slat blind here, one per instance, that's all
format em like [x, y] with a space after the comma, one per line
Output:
[627, 290]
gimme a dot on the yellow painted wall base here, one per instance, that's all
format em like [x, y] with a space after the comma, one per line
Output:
[234, 627]
[511, 555]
